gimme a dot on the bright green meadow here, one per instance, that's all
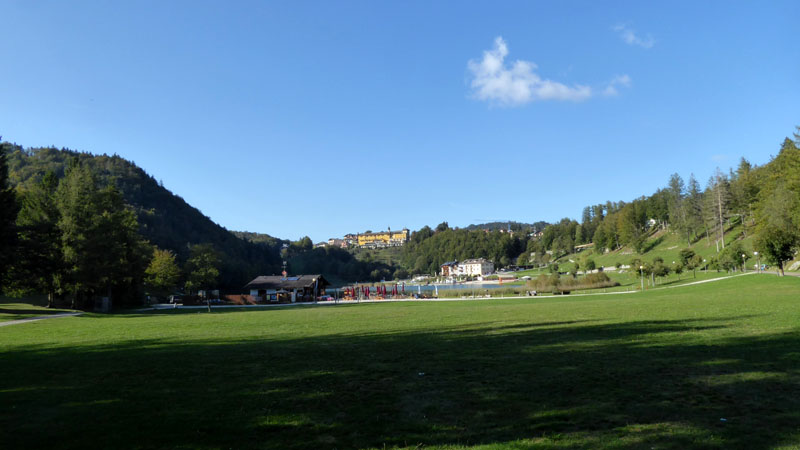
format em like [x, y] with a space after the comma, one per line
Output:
[714, 365]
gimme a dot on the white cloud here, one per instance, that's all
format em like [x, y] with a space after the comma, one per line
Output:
[719, 157]
[631, 38]
[516, 84]
[619, 80]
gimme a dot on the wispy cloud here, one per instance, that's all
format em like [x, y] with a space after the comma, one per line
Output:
[630, 37]
[619, 80]
[719, 157]
[518, 83]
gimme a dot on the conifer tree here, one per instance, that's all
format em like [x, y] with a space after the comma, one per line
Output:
[8, 217]
[39, 266]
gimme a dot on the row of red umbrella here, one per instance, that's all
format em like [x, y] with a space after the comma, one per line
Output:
[379, 290]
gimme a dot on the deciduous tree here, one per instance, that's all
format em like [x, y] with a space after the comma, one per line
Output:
[202, 269]
[163, 273]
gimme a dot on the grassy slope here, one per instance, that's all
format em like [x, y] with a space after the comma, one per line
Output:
[663, 244]
[668, 246]
[389, 255]
[630, 281]
[652, 370]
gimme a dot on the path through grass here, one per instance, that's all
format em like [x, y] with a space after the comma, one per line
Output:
[12, 310]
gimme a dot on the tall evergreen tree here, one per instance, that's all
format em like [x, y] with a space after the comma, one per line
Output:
[77, 202]
[693, 205]
[8, 217]
[103, 253]
[677, 208]
[778, 214]
[39, 266]
[126, 254]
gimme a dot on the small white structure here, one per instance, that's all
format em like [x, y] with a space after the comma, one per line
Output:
[479, 266]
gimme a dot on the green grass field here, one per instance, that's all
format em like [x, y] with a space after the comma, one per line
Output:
[659, 369]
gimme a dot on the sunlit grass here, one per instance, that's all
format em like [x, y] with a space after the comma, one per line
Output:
[658, 369]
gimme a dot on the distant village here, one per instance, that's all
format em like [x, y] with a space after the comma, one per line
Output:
[380, 239]
[383, 239]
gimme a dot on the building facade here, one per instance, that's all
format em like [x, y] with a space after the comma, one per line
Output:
[449, 269]
[478, 266]
[382, 239]
[275, 288]
[334, 242]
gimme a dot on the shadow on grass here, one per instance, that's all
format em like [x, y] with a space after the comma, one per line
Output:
[37, 312]
[570, 384]
[10, 314]
[649, 245]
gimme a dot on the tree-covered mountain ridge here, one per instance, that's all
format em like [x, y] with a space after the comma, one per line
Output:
[165, 219]
[750, 204]
[168, 222]
[762, 202]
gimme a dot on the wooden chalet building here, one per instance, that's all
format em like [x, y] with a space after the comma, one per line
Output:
[278, 289]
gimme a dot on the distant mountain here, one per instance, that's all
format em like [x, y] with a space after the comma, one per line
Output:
[166, 220]
[514, 226]
[261, 238]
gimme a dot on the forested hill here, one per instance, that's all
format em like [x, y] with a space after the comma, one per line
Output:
[509, 225]
[165, 219]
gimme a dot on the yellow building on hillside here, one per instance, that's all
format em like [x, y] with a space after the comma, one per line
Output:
[383, 238]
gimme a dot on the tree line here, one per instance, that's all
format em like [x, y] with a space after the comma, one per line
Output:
[165, 219]
[428, 248]
[82, 226]
[764, 200]
[73, 239]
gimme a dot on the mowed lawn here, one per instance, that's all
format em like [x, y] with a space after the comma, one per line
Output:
[715, 365]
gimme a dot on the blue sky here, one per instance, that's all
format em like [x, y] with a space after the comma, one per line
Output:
[323, 118]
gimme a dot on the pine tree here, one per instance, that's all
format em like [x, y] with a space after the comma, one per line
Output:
[778, 212]
[9, 208]
[39, 267]
[693, 205]
[103, 252]
[677, 208]
[77, 203]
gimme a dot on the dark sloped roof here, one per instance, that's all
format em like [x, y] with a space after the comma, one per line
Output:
[279, 282]
[475, 261]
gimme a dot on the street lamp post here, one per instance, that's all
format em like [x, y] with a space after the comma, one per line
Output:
[744, 266]
[758, 258]
[705, 266]
[641, 273]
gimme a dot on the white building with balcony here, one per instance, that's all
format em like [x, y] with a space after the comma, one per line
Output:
[478, 266]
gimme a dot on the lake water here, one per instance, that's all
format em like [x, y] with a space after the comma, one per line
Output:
[413, 288]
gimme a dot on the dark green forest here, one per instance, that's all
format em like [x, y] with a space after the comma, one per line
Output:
[162, 219]
[764, 200]
[165, 219]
